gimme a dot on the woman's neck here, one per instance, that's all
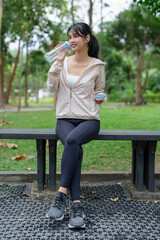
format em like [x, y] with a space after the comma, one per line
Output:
[81, 56]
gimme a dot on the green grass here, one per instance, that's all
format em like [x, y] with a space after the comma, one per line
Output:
[98, 155]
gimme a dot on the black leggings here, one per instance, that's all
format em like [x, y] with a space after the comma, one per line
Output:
[73, 133]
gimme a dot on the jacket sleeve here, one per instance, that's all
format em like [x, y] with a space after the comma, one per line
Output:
[54, 76]
[100, 81]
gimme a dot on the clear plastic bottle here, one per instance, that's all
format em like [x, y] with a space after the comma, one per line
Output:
[57, 51]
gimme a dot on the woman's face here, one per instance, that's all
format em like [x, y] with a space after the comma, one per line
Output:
[77, 42]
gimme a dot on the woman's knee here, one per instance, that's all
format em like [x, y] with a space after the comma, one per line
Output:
[71, 140]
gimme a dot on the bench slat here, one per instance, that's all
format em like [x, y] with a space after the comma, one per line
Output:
[141, 135]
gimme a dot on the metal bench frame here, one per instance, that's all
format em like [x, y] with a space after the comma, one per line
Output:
[143, 152]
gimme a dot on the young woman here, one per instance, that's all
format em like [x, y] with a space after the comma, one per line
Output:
[77, 79]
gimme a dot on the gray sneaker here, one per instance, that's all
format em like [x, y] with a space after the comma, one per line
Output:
[77, 217]
[58, 206]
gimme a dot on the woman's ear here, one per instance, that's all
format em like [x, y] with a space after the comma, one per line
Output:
[87, 38]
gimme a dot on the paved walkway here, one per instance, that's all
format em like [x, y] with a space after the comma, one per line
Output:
[14, 109]
[110, 214]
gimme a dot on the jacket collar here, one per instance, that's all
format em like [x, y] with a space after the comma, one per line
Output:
[93, 63]
[96, 61]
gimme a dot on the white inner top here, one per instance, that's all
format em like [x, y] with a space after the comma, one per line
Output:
[71, 79]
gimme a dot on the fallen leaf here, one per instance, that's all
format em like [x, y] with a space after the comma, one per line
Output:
[12, 145]
[85, 182]
[2, 145]
[114, 199]
[82, 197]
[2, 183]
[19, 157]
[4, 122]
[9, 145]
[101, 155]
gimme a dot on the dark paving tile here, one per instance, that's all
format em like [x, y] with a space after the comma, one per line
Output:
[110, 214]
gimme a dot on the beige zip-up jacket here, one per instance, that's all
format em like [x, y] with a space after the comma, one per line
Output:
[77, 102]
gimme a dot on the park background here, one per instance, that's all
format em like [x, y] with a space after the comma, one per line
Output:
[129, 44]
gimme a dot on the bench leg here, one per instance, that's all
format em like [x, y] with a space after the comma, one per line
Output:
[133, 162]
[150, 165]
[41, 163]
[140, 151]
[52, 164]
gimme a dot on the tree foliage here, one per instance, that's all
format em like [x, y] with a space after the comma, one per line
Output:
[135, 32]
[21, 21]
[152, 5]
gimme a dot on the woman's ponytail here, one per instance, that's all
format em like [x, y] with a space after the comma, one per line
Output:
[93, 47]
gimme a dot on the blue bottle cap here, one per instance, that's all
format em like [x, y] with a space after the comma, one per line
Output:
[68, 45]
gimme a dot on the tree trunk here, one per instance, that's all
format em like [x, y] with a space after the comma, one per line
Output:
[1, 60]
[26, 78]
[19, 82]
[2, 82]
[138, 91]
[12, 75]
[90, 13]
[72, 11]
[101, 34]
[139, 87]
[37, 85]
[1, 13]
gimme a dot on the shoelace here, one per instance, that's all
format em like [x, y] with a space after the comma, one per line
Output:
[77, 211]
[59, 202]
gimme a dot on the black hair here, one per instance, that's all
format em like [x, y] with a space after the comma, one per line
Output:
[82, 29]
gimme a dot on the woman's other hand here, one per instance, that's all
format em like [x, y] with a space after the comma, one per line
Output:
[100, 100]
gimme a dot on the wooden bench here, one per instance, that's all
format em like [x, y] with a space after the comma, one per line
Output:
[143, 152]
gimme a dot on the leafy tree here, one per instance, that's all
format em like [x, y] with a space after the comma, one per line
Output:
[19, 22]
[117, 67]
[136, 32]
[152, 5]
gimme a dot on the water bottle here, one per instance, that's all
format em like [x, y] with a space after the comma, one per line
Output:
[57, 51]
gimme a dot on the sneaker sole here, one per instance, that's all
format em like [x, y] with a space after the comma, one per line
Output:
[76, 227]
[58, 219]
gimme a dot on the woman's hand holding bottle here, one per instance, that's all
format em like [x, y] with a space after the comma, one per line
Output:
[59, 52]
[62, 57]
